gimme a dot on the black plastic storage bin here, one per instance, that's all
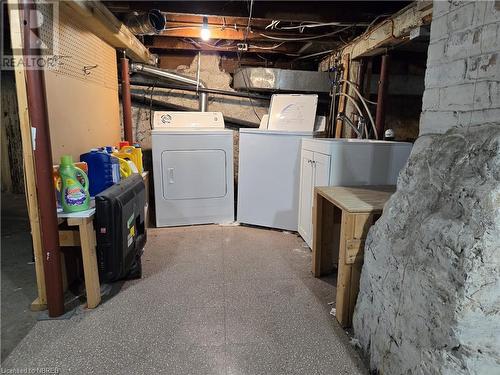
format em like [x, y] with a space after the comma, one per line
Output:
[120, 229]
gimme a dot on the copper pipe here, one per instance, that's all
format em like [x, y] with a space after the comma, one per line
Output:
[126, 102]
[37, 107]
[382, 96]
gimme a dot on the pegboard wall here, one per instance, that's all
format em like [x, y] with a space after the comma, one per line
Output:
[82, 90]
[82, 54]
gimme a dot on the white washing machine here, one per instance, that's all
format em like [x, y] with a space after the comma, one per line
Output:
[269, 177]
[192, 168]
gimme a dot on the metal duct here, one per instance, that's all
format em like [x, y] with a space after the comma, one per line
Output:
[146, 23]
[164, 74]
[273, 79]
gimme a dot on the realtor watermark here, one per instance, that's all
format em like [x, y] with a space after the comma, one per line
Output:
[39, 49]
[30, 370]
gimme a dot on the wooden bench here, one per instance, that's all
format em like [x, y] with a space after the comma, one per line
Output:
[342, 217]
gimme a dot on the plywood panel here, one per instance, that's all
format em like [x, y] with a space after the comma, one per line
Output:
[82, 92]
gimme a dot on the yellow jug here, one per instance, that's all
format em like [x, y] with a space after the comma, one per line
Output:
[132, 153]
[125, 169]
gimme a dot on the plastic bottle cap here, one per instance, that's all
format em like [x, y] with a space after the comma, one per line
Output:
[66, 160]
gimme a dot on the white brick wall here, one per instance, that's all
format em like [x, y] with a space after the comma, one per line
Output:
[463, 66]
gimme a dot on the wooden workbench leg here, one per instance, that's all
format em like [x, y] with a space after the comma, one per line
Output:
[353, 231]
[88, 242]
[317, 250]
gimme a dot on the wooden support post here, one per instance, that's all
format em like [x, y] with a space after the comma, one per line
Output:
[40, 303]
[89, 258]
[342, 99]
[353, 232]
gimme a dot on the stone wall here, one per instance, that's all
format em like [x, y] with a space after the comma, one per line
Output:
[463, 68]
[429, 300]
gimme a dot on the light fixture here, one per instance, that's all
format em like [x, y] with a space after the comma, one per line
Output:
[205, 32]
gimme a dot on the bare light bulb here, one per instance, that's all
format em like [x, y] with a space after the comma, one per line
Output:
[205, 32]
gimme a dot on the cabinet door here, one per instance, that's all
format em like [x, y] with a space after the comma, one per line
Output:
[305, 198]
[321, 169]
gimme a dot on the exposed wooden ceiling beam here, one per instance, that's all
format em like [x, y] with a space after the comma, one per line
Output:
[190, 30]
[386, 34]
[168, 43]
[99, 20]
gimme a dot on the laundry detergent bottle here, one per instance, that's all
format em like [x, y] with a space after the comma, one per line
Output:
[74, 196]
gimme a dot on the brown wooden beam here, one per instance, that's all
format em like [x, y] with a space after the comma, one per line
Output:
[167, 43]
[230, 32]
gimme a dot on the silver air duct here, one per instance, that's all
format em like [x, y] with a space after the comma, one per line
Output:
[166, 75]
[146, 23]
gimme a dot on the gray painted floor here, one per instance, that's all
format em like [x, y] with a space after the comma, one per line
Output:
[213, 300]
[18, 273]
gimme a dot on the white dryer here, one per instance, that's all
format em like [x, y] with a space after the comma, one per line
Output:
[192, 168]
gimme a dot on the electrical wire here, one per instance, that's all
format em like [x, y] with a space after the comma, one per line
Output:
[304, 38]
[274, 25]
[239, 59]
[354, 86]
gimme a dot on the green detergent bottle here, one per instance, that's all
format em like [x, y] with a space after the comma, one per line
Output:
[74, 195]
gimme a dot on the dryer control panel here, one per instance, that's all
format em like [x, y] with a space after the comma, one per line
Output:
[186, 120]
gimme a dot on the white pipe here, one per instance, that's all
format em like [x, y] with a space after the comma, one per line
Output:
[364, 104]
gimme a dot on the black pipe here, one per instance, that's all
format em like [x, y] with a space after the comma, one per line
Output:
[147, 102]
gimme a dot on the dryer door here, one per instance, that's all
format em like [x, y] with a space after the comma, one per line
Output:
[194, 174]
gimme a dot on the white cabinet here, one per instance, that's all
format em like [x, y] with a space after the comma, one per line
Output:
[348, 162]
[314, 171]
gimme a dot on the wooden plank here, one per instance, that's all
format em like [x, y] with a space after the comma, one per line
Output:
[89, 257]
[100, 21]
[180, 30]
[29, 169]
[362, 225]
[174, 44]
[36, 305]
[69, 238]
[358, 199]
[342, 99]
[354, 251]
[342, 303]
[387, 33]
[354, 288]
[317, 234]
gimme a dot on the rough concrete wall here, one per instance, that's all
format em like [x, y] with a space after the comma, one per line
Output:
[429, 300]
[214, 78]
[462, 82]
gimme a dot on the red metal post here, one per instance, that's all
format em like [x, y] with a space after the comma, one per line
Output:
[37, 107]
[126, 102]
[382, 96]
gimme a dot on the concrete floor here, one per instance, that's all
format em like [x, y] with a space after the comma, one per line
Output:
[18, 273]
[213, 300]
